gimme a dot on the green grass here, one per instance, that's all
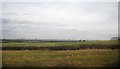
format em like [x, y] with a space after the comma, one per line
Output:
[60, 45]
[102, 57]
[48, 44]
[68, 58]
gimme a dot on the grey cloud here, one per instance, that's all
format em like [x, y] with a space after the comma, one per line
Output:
[0, 28]
[10, 13]
[25, 14]
[60, 0]
[45, 31]
[60, 20]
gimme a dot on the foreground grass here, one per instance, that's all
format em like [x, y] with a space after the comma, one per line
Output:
[68, 58]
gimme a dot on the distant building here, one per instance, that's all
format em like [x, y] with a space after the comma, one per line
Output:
[115, 38]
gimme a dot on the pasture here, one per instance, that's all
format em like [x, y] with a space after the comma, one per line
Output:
[60, 45]
[68, 58]
[60, 54]
[46, 44]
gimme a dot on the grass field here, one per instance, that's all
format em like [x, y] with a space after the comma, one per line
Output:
[60, 45]
[69, 58]
[101, 54]
[46, 44]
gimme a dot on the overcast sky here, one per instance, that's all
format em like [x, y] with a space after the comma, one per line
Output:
[66, 20]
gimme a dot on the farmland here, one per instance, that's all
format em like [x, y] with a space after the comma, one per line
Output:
[70, 58]
[60, 54]
[109, 42]
[60, 45]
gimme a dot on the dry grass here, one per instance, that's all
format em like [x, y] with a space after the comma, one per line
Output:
[68, 58]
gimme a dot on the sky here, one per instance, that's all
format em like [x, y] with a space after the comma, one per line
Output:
[59, 0]
[59, 20]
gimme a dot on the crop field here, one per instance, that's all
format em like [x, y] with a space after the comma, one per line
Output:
[46, 44]
[69, 58]
[60, 45]
[61, 54]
